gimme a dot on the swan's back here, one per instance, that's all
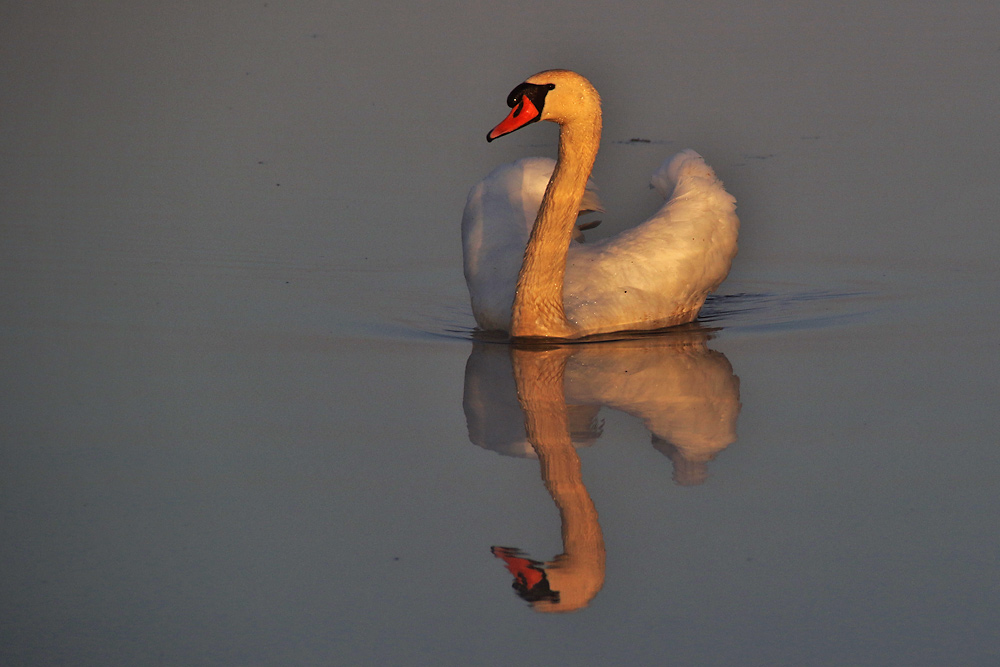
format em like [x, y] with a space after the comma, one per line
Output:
[659, 273]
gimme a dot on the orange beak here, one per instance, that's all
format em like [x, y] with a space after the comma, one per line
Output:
[522, 114]
[528, 572]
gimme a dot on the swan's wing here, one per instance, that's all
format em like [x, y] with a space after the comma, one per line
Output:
[590, 203]
[658, 273]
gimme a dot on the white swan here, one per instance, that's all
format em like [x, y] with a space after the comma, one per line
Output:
[526, 276]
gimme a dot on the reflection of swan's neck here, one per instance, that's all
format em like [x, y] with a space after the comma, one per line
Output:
[578, 573]
[538, 303]
[581, 565]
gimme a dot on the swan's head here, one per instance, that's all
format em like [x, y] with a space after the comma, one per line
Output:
[558, 95]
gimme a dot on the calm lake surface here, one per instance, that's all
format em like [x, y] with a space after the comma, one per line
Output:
[245, 419]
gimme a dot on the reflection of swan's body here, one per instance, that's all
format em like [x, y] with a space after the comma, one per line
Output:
[524, 275]
[684, 392]
[688, 397]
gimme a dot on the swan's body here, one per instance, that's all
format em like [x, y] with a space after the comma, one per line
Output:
[525, 274]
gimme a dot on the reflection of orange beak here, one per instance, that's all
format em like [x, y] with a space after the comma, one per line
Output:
[526, 571]
[522, 114]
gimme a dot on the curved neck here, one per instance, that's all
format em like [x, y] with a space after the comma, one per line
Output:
[538, 302]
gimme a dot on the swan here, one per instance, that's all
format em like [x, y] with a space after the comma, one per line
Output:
[527, 274]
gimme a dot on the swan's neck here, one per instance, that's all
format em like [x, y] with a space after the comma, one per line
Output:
[538, 302]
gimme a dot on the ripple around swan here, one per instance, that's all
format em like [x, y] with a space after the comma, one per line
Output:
[779, 310]
[841, 296]
[761, 307]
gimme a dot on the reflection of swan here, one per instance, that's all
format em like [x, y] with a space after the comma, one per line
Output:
[651, 276]
[547, 399]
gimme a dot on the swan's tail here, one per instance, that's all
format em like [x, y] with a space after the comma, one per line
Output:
[673, 170]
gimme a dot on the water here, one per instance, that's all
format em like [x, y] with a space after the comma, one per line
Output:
[245, 419]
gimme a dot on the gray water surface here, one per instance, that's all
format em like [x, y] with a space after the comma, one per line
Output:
[246, 419]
